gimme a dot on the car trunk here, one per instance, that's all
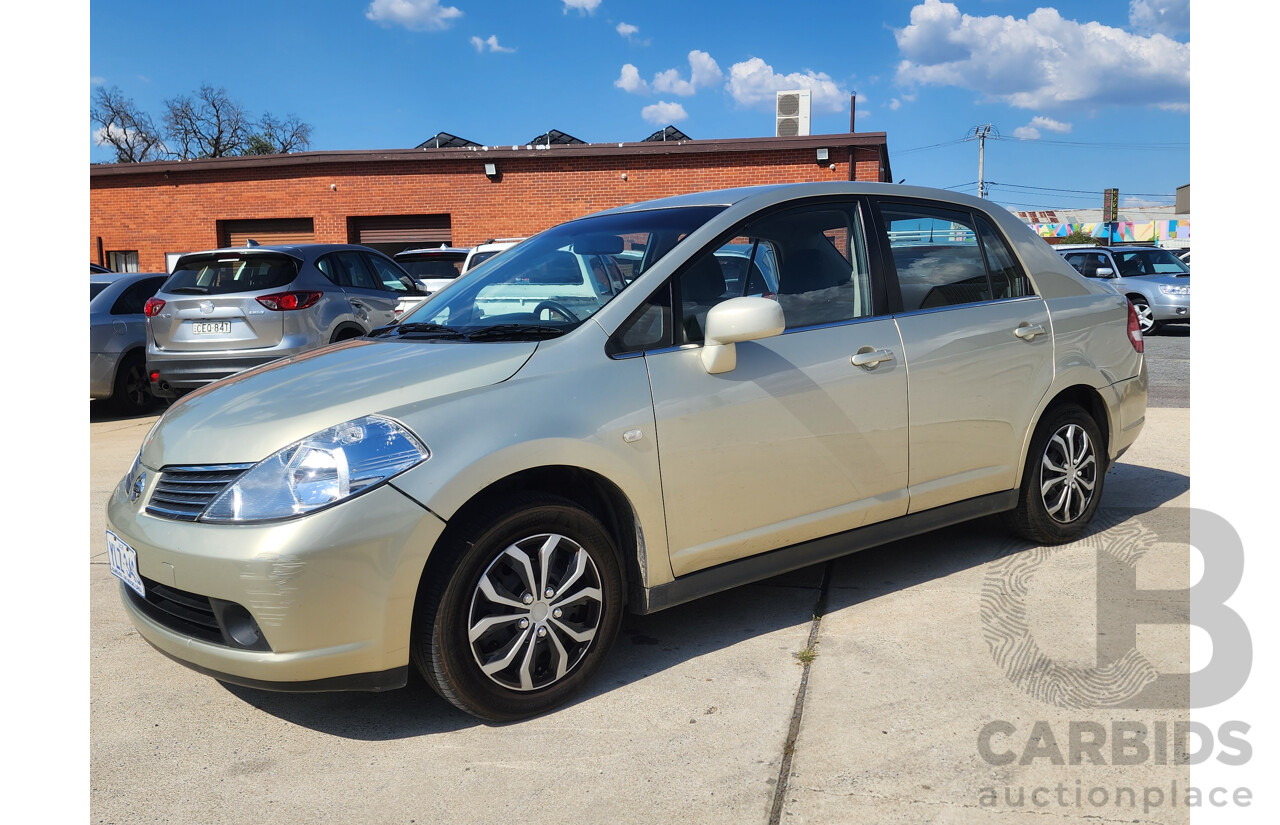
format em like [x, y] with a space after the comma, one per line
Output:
[211, 302]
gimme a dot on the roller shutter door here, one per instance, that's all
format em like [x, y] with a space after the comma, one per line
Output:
[430, 230]
[269, 232]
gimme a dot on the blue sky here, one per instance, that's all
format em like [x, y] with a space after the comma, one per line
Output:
[1085, 97]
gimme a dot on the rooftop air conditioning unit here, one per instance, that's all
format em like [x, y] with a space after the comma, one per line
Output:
[793, 113]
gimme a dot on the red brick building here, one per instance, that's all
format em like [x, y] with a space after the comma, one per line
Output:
[397, 199]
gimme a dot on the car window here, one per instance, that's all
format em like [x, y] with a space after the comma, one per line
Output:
[388, 274]
[357, 273]
[1150, 262]
[1007, 278]
[94, 289]
[812, 260]
[439, 267]
[230, 273]
[936, 255]
[134, 297]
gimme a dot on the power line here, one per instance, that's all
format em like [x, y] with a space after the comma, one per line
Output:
[933, 146]
[1097, 145]
[1081, 191]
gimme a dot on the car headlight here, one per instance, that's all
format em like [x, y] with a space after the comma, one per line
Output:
[1169, 289]
[320, 470]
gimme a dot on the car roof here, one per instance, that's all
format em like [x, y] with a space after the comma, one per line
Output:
[123, 277]
[300, 251]
[753, 197]
[436, 250]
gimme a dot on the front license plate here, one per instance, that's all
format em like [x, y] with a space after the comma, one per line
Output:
[210, 327]
[124, 563]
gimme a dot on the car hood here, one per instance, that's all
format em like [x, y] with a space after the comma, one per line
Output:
[249, 416]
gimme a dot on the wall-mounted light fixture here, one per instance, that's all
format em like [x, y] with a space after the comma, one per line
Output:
[822, 155]
[491, 169]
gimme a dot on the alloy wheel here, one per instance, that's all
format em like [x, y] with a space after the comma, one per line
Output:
[1068, 473]
[534, 612]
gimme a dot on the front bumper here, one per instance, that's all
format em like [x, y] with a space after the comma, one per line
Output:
[1170, 308]
[332, 592]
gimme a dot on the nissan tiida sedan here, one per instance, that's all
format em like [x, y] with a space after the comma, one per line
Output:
[481, 490]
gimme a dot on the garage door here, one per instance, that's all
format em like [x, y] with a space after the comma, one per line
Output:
[424, 230]
[267, 232]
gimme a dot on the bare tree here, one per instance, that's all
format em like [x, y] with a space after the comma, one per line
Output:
[275, 136]
[208, 125]
[124, 127]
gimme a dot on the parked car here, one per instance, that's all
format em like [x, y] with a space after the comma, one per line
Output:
[227, 310]
[1154, 280]
[95, 269]
[1185, 257]
[434, 269]
[482, 489]
[491, 248]
[118, 339]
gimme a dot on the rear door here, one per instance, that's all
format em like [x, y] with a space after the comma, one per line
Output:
[371, 303]
[211, 302]
[979, 345]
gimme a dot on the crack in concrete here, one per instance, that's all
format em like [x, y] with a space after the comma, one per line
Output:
[789, 747]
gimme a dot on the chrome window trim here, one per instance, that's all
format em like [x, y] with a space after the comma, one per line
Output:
[948, 307]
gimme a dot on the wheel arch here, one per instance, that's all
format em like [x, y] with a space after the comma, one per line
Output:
[1083, 395]
[593, 492]
[345, 330]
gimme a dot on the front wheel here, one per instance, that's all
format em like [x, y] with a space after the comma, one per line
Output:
[527, 613]
[1062, 481]
[1146, 318]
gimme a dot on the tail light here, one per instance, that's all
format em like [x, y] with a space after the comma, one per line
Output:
[152, 307]
[1135, 329]
[287, 301]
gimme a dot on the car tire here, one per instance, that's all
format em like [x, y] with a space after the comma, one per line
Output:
[1063, 478]
[523, 611]
[1146, 319]
[131, 392]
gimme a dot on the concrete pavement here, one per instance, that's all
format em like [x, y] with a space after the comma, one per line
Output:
[695, 717]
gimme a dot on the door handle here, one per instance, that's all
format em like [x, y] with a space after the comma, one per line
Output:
[1027, 331]
[867, 358]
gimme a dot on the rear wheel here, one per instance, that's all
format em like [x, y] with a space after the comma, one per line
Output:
[1062, 482]
[526, 613]
[131, 394]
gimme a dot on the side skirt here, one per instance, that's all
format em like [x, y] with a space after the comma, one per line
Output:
[776, 562]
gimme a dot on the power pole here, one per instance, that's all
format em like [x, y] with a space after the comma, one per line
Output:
[981, 133]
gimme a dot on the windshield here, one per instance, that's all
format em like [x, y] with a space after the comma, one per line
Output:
[553, 282]
[1150, 262]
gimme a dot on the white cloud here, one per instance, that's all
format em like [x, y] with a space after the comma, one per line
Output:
[416, 15]
[1167, 17]
[583, 6]
[627, 30]
[1051, 124]
[1041, 61]
[1027, 133]
[703, 72]
[630, 81]
[491, 43]
[895, 105]
[754, 83]
[662, 112]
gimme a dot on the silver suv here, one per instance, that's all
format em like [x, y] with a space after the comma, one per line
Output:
[1155, 281]
[227, 310]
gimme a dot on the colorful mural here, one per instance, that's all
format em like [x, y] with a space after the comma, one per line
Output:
[1120, 232]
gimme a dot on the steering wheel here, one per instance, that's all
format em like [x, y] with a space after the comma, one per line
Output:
[557, 308]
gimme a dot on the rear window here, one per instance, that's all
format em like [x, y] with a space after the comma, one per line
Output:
[433, 266]
[226, 274]
[94, 289]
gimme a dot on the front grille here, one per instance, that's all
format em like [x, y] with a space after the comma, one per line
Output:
[178, 610]
[182, 493]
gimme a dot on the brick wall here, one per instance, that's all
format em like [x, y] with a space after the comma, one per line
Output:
[177, 210]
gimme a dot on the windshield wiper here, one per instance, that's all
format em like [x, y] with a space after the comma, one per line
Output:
[416, 330]
[516, 332]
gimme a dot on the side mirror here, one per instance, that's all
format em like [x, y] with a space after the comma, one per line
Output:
[734, 320]
[411, 285]
[1105, 272]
